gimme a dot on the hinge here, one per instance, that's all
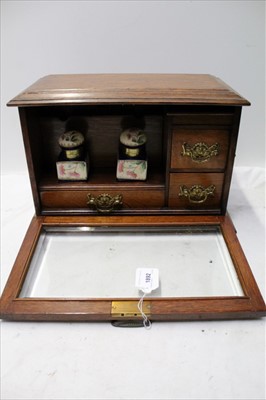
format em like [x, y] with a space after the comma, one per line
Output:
[127, 309]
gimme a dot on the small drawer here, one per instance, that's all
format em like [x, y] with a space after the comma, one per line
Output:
[195, 191]
[91, 199]
[199, 148]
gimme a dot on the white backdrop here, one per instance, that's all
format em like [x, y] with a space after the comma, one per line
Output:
[223, 38]
[191, 360]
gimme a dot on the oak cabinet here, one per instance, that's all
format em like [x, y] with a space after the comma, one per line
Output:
[191, 123]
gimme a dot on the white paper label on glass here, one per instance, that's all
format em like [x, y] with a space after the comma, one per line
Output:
[147, 279]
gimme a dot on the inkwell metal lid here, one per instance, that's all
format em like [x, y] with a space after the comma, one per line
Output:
[133, 139]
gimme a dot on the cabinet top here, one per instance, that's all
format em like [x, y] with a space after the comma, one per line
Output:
[176, 89]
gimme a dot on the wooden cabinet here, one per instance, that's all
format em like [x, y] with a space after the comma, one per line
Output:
[191, 123]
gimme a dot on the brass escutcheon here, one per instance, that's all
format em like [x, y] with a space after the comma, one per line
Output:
[125, 308]
[197, 194]
[105, 203]
[200, 152]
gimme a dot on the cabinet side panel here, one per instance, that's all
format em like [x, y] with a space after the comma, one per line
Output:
[231, 158]
[33, 155]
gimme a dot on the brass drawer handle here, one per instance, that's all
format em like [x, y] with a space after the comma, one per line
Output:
[105, 203]
[196, 194]
[200, 152]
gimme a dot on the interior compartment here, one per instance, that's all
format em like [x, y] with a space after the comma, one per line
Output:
[101, 127]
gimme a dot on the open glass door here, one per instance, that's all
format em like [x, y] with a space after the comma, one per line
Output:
[83, 268]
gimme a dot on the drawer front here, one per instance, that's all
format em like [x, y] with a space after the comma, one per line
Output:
[195, 191]
[79, 199]
[199, 148]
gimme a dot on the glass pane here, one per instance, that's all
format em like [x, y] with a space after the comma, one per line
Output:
[90, 262]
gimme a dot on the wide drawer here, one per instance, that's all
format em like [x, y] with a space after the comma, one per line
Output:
[199, 148]
[79, 199]
[195, 191]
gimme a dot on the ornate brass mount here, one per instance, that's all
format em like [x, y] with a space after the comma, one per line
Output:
[197, 194]
[105, 203]
[200, 152]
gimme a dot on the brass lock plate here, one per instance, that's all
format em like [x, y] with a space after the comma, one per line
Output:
[126, 309]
